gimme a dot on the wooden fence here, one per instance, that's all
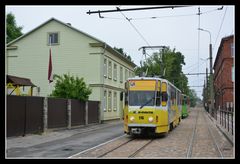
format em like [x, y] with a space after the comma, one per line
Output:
[30, 114]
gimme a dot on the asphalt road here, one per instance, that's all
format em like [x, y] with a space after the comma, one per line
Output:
[66, 147]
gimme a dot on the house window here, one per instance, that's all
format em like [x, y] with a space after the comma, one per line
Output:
[233, 77]
[109, 100]
[115, 101]
[126, 74]
[105, 67]
[109, 69]
[121, 74]
[105, 101]
[53, 38]
[115, 72]
[232, 50]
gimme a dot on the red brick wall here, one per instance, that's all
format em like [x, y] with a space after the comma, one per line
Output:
[223, 84]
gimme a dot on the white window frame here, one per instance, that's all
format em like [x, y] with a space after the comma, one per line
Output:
[109, 101]
[48, 37]
[115, 71]
[109, 69]
[233, 74]
[105, 100]
[105, 67]
[121, 74]
[115, 101]
[126, 74]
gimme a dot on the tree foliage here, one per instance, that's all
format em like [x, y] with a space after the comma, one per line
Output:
[193, 97]
[120, 50]
[72, 88]
[166, 64]
[13, 31]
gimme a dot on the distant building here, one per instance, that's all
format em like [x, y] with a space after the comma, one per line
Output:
[74, 52]
[224, 73]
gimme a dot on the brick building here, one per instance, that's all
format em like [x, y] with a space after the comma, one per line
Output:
[224, 72]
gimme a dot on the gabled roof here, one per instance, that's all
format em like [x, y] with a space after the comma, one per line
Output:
[69, 26]
[220, 47]
[19, 81]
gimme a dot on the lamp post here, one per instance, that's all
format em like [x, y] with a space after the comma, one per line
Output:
[206, 86]
[211, 72]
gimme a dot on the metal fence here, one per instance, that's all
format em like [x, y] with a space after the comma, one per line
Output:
[226, 119]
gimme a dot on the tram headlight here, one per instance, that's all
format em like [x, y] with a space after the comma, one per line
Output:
[150, 119]
[132, 118]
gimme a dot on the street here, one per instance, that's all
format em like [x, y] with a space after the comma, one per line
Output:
[195, 137]
[67, 143]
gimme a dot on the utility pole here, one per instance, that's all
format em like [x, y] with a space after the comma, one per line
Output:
[207, 88]
[211, 79]
[211, 74]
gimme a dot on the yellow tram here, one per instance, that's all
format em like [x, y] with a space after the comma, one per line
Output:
[152, 106]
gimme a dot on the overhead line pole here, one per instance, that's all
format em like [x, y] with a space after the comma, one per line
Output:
[133, 9]
[195, 74]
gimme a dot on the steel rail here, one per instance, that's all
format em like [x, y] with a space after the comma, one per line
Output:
[214, 141]
[138, 150]
[104, 154]
[190, 146]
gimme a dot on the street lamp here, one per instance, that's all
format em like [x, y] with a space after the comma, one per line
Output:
[211, 72]
[206, 85]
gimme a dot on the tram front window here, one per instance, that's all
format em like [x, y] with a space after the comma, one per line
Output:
[139, 98]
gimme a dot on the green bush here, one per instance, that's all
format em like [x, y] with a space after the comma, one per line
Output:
[71, 88]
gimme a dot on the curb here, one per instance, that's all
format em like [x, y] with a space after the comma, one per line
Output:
[230, 139]
[226, 135]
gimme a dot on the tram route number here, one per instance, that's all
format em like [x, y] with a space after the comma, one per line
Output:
[141, 117]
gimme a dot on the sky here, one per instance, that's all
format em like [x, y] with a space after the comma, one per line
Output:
[176, 28]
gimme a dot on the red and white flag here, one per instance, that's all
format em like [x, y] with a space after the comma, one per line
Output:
[50, 74]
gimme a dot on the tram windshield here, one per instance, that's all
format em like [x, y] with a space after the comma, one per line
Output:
[141, 98]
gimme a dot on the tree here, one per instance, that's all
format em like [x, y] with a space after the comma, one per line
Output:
[13, 31]
[193, 97]
[71, 88]
[166, 64]
[120, 50]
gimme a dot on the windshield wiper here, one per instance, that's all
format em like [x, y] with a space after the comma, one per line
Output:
[146, 102]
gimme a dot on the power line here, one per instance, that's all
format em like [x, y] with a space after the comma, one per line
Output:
[135, 28]
[220, 26]
[195, 74]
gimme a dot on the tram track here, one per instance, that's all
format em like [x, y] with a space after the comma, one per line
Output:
[104, 154]
[129, 149]
[214, 141]
[201, 129]
[190, 146]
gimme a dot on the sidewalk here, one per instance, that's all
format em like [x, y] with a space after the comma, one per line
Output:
[224, 131]
[35, 139]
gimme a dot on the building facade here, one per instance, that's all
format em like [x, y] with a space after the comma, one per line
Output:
[74, 52]
[224, 73]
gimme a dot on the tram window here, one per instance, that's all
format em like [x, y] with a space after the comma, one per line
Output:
[158, 100]
[164, 96]
[126, 98]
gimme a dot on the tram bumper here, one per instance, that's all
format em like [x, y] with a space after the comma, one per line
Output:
[136, 130]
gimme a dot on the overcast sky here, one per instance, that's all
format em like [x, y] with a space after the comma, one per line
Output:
[176, 28]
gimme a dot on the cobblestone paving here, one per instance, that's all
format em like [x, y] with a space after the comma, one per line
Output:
[175, 144]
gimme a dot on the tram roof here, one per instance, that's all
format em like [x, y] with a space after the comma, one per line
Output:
[153, 78]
